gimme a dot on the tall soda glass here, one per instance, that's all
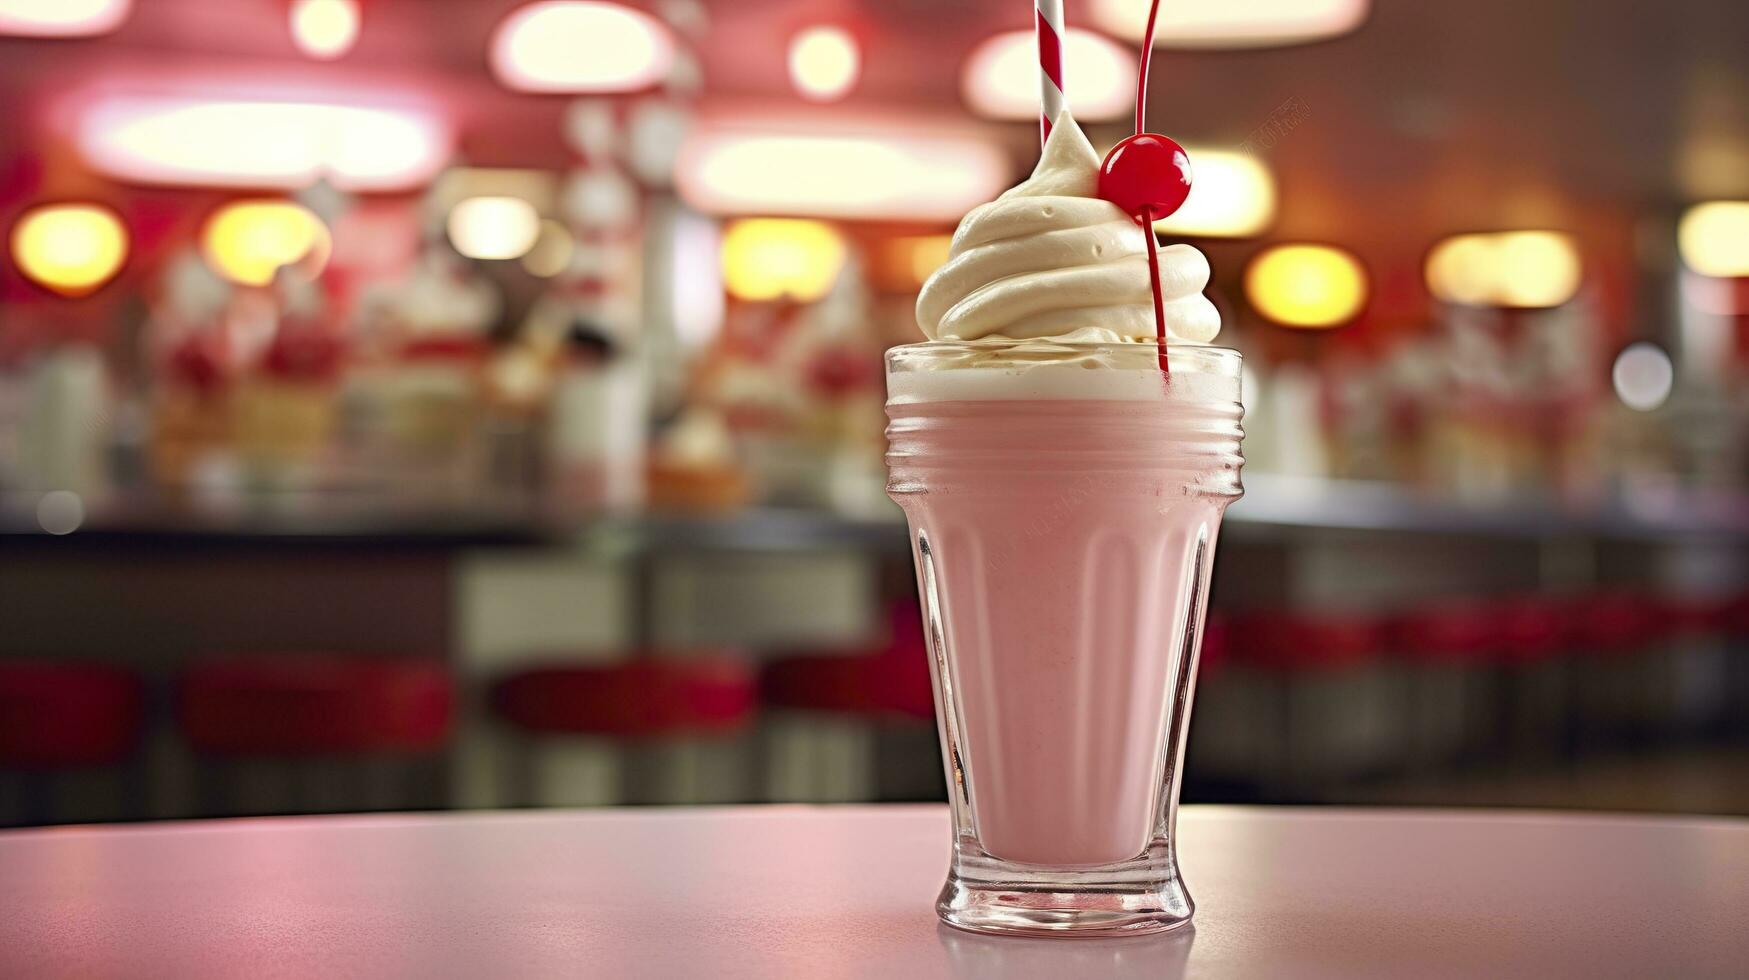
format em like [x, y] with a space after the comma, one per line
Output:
[1063, 501]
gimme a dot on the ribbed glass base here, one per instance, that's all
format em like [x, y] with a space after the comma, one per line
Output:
[1131, 898]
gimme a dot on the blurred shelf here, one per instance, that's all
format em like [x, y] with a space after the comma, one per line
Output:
[1273, 505]
[1286, 502]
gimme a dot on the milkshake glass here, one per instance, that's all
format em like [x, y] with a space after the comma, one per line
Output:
[1063, 501]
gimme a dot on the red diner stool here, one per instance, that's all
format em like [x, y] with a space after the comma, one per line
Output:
[56, 718]
[1531, 681]
[659, 729]
[1206, 774]
[1615, 635]
[1308, 702]
[1693, 675]
[854, 725]
[1448, 650]
[300, 733]
[1734, 621]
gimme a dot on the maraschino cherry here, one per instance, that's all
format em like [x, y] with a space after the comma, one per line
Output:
[1148, 176]
[1146, 172]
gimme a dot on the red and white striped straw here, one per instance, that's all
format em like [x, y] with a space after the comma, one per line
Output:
[1050, 63]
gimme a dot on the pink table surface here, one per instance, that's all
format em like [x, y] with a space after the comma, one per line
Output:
[847, 892]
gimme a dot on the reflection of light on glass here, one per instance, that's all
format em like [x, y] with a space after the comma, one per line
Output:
[824, 63]
[580, 46]
[551, 251]
[181, 141]
[1232, 195]
[248, 242]
[493, 227]
[1224, 24]
[1643, 376]
[1000, 77]
[771, 258]
[1714, 238]
[899, 175]
[1531, 269]
[62, 18]
[1306, 285]
[69, 248]
[60, 512]
[324, 29]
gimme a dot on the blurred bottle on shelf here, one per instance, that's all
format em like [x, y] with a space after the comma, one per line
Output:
[596, 437]
[287, 406]
[65, 427]
[416, 409]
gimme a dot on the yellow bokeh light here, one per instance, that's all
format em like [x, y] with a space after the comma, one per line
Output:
[494, 227]
[1312, 286]
[324, 29]
[1714, 239]
[248, 242]
[999, 79]
[580, 46]
[1461, 269]
[824, 63]
[71, 249]
[1539, 269]
[1527, 269]
[1232, 195]
[773, 258]
[928, 254]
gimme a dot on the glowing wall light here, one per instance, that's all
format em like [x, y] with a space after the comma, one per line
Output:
[580, 46]
[71, 249]
[493, 227]
[62, 18]
[1527, 269]
[324, 29]
[1714, 238]
[248, 242]
[881, 171]
[1232, 195]
[772, 258]
[1000, 77]
[1224, 24]
[824, 63]
[1306, 285]
[1643, 376]
[183, 141]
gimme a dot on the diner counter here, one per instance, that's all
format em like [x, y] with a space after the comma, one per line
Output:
[848, 891]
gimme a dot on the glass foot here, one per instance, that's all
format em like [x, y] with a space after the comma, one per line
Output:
[1135, 898]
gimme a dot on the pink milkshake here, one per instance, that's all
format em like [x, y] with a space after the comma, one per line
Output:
[1064, 498]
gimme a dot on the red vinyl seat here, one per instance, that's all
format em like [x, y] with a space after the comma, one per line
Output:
[655, 696]
[316, 705]
[1302, 641]
[888, 680]
[862, 684]
[62, 715]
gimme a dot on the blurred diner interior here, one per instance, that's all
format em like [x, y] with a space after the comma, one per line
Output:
[427, 404]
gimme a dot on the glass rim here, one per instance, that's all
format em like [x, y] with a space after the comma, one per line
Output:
[1007, 343]
[1114, 355]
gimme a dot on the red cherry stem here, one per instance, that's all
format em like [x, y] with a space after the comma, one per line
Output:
[1154, 282]
[1148, 212]
[1142, 75]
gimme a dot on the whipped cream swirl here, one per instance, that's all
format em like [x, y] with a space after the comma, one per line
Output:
[1050, 259]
